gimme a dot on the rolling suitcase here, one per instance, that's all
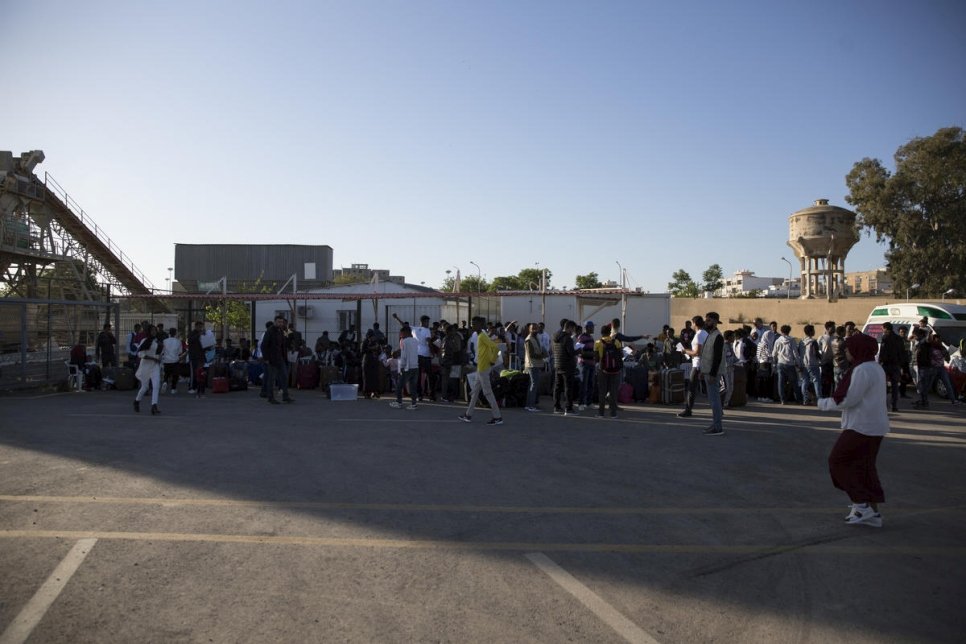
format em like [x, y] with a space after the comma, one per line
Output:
[636, 376]
[672, 386]
[625, 393]
[654, 387]
[739, 397]
[219, 385]
[307, 375]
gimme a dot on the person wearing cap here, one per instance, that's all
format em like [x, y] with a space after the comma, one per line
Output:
[861, 397]
[587, 364]
[712, 368]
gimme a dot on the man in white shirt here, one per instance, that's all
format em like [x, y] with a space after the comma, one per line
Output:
[408, 366]
[171, 352]
[694, 378]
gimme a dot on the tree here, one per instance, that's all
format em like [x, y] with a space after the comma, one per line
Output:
[682, 285]
[590, 280]
[528, 279]
[468, 284]
[712, 279]
[919, 210]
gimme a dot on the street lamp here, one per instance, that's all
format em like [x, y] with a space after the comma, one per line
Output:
[788, 289]
[911, 288]
[171, 279]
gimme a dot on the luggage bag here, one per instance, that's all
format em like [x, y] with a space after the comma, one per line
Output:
[672, 386]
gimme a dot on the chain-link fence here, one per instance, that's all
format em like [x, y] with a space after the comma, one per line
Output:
[37, 335]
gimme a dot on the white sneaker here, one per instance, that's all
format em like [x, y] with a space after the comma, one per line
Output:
[395, 405]
[192, 391]
[864, 516]
[532, 409]
[581, 407]
[411, 407]
[173, 392]
[164, 387]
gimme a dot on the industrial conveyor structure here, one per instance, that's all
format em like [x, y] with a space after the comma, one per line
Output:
[51, 248]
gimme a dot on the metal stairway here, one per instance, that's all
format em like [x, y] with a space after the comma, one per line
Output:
[50, 227]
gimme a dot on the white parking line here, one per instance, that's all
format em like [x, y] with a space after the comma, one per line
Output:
[24, 624]
[607, 613]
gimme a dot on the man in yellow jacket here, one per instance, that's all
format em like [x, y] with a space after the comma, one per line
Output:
[486, 356]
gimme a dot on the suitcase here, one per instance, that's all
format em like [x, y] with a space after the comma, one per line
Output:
[636, 376]
[307, 375]
[625, 393]
[238, 375]
[672, 386]
[216, 370]
[739, 397]
[124, 378]
[654, 387]
[219, 385]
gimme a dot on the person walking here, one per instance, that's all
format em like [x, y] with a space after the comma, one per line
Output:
[861, 397]
[149, 368]
[486, 353]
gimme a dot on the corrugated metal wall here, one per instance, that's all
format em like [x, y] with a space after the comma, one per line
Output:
[275, 262]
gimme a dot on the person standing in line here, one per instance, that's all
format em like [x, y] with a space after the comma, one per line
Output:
[861, 397]
[610, 357]
[925, 375]
[276, 358]
[730, 363]
[149, 369]
[408, 367]
[840, 361]
[827, 355]
[891, 356]
[105, 349]
[587, 362]
[811, 360]
[694, 376]
[905, 367]
[486, 353]
[712, 366]
[564, 365]
[424, 382]
[766, 363]
[451, 363]
[785, 355]
[196, 360]
[171, 354]
[534, 357]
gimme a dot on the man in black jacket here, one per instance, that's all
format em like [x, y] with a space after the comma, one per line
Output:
[565, 366]
[891, 356]
[275, 354]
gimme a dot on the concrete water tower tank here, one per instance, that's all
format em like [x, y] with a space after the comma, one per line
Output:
[821, 236]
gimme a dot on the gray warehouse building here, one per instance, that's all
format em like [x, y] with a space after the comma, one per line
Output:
[199, 267]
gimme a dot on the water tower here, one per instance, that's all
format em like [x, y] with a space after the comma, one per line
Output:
[821, 236]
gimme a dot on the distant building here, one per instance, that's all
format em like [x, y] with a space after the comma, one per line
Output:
[251, 267]
[745, 283]
[876, 282]
[358, 273]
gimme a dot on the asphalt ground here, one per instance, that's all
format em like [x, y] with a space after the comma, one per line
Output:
[226, 519]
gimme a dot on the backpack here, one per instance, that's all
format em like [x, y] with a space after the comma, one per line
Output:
[613, 358]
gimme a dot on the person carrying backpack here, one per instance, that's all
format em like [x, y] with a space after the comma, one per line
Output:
[610, 360]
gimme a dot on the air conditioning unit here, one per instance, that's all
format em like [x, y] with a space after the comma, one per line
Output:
[305, 311]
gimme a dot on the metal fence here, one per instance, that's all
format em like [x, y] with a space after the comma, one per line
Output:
[36, 336]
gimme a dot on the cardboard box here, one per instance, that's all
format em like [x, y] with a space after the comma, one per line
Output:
[343, 392]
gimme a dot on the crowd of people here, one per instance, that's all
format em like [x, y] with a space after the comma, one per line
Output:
[575, 370]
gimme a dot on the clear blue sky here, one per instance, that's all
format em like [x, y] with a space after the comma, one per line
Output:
[417, 136]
